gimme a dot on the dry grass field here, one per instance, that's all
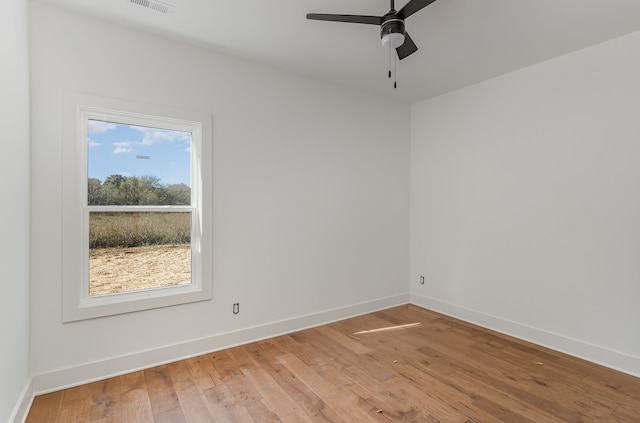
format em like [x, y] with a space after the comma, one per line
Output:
[113, 270]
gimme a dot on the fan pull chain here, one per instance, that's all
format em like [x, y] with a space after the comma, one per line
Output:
[395, 72]
[389, 62]
[395, 67]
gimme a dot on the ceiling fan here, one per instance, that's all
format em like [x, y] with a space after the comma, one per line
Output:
[392, 31]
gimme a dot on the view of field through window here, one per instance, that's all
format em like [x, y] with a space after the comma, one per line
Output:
[139, 168]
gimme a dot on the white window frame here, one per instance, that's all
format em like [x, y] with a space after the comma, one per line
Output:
[77, 110]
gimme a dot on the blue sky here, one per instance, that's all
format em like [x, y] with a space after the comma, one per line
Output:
[115, 148]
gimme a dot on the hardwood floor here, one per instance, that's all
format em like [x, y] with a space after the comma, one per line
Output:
[405, 364]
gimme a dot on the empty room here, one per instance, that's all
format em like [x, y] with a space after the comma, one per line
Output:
[320, 211]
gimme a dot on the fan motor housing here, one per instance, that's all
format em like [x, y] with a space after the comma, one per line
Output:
[392, 24]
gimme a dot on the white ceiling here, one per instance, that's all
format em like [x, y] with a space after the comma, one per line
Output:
[460, 42]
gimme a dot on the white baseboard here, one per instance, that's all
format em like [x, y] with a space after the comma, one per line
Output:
[596, 354]
[86, 373]
[23, 405]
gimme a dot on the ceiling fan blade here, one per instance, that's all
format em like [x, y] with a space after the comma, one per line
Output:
[371, 20]
[412, 7]
[407, 48]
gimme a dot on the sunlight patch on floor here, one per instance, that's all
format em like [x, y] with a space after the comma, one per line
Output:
[390, 328]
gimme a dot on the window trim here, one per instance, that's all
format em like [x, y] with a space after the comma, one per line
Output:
[77, 110]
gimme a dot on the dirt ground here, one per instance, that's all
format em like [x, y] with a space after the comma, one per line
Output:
[114, 270]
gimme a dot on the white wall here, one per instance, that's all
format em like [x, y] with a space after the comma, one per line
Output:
[14, 207]
[311, 196]
[525, 203]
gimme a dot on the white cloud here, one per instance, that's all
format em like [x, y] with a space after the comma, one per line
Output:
[122, 147]
[154, 135]
[92, 144]
[99, 127]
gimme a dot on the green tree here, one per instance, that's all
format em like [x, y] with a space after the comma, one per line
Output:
[115, 180]
[152, 192]
[113, 191]
[119, 190]
[178, 195]
[95, 194]
[129, 191]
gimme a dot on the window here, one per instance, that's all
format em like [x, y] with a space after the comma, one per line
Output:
[137, 207]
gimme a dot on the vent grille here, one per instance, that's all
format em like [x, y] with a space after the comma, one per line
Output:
[154, 5]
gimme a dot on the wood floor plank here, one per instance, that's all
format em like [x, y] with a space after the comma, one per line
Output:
[260, 413]
[346, 341]
[543, 383]
[201, 368]
[266, 355]
[192, 404]
[493, 382]
[76, 404]
[45, 408]
[337, 397]
[173, 415]
[105, 402]
[363, 376]
[82, 403]
[274, 397]
[134, 398]
[189, 393]
[223, 407]
[219, 399]
[162, 394]
[403, 364]
[239, 385]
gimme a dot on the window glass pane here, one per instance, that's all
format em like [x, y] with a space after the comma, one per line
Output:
[138, 250]
[130, 165]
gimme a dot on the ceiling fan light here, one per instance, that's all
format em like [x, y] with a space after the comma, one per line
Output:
[393, 40]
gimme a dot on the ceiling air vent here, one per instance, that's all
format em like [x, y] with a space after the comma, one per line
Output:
[154, 5]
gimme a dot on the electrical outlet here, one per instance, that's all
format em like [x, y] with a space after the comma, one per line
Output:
[236, 308]
[421, 280]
